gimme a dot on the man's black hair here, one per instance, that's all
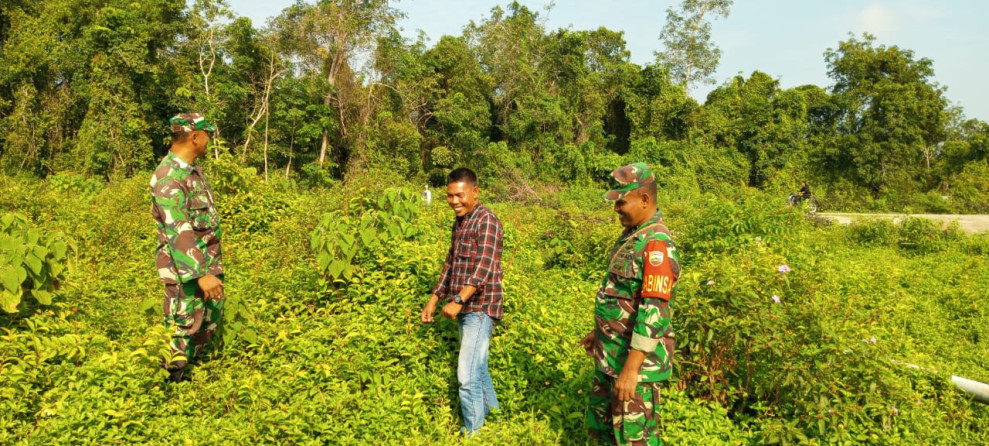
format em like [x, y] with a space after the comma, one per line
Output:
[650, 190]
[462, 174]
[180, 137]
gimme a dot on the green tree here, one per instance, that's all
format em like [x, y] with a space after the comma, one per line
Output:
[509, 46]
[690, 54]
[891, 114]
[460, 108]
[769, 126]
[82, 82]
[326, 39]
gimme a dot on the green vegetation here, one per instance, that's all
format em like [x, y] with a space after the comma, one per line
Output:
[329, 89]
[345, 360]
[790, 331]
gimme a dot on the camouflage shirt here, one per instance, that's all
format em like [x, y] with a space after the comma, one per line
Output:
[632, 308]
[188, 225]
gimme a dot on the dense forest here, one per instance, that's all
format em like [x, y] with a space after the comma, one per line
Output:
[327, 91]
[790, 329]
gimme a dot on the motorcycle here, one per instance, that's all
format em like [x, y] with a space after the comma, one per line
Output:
[809, 205]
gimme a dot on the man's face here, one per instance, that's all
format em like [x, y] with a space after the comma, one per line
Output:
[632, 209]
[462, 197]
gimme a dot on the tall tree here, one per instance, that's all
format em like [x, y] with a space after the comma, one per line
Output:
[690, 54]
[891, 113]
[767, 125]
[509, 47]
[207, 40]
[329, 36]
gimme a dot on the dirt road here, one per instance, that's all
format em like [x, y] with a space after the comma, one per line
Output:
[968, 223]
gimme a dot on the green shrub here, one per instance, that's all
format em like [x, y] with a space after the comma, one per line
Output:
[921, 235]
[68, 182]
[338, 238]
[32, 263]
[874, 233]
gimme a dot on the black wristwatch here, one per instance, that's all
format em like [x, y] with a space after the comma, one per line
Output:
[457, 299]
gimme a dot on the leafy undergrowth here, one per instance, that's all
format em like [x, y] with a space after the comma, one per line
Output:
[329, 359]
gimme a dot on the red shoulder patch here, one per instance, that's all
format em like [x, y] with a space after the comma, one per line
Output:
[657, 271]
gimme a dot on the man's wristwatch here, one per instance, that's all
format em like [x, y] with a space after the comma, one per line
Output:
[458, 300]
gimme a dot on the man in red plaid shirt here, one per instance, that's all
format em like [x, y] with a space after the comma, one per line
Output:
[471, 284]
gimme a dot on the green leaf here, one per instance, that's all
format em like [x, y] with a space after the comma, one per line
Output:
[8, 277]
[33, 235]
[351, 252]
[250, 335]
[368, 236]
[7, 243]
[147, 304]
[42, 296]
[337, 268]
[60, 247]
[9, 301]
[323, 260]
[347, 239]
[34, 263]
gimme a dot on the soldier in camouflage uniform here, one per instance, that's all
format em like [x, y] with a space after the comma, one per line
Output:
[632, 342]
[188, 257]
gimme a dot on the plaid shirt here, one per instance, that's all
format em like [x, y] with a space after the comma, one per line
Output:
[474, 259]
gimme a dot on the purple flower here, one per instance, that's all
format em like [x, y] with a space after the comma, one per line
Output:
[783, 269]
[776, 299]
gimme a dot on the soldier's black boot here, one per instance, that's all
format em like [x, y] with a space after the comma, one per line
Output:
[178, 375]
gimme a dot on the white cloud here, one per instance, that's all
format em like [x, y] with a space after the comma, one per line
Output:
[877, 20]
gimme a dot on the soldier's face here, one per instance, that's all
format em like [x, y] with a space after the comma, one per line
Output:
[462, 197]
[632, 209]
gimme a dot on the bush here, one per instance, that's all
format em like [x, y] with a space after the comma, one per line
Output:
[821, 366]
[874, 233]
[32, 263]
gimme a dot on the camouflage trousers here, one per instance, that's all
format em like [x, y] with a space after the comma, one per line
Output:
[193, 320]
[634, 422]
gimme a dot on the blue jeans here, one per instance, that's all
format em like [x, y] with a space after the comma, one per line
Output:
[477, 395]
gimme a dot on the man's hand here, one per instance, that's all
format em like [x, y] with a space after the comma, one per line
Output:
[429, 310]
[451, 310]
[588, 342]
[625, 385]
[211, 285]
[628, 379]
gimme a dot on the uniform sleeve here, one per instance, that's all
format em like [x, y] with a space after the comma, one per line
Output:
[488, 245]
[659, 274]
[188, 252]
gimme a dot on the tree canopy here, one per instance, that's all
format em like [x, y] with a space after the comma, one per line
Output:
[330, 89]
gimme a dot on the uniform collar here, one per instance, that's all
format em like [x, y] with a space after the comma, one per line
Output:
[656, 218]
[178, 162]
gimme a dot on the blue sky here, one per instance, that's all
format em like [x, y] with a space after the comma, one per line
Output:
[783, 38]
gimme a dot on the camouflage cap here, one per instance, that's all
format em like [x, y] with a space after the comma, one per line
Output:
[628, 178]
[190, 122]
